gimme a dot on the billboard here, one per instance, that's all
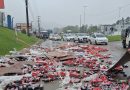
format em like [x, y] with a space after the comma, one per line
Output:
[9, 21]
[2, 4]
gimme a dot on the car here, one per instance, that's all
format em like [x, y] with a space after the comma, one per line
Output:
[55, 37]
[81, 37]
[68, 37]
[51, 36]
[98, 38]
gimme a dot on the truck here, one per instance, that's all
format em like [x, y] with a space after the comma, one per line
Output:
[125, 37]
[43, 34]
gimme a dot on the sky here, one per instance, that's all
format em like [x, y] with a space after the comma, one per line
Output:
[60, 13]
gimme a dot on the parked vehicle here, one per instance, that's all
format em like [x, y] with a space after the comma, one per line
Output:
[69, 37]
[42, 34]
[55, 37]
[81, 37]
[98, 38]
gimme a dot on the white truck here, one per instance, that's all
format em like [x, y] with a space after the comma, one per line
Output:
[125, 36]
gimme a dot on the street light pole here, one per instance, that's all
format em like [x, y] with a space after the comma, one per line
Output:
[80, 22]
[84, 17]
[27, 17]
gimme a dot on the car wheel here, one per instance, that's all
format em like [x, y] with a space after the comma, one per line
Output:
[106, 43]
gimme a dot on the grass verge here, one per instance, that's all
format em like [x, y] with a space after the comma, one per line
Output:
[114, 38]
[8, 40]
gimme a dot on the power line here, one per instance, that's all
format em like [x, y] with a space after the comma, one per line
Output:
[31, 12]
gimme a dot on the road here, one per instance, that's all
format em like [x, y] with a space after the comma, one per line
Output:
[115, 49]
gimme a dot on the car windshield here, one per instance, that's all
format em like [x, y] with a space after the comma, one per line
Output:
[100, 35]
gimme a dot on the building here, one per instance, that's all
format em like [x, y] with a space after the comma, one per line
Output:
[122, 24]
[116, 28]
[107, 29]
[22, 27]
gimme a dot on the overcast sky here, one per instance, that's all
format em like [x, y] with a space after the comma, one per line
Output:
[55, 13]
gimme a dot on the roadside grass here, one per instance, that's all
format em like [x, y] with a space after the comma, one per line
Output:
[114, 38]
[8, 41]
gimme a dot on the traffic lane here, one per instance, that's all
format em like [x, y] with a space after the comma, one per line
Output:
[115, 48]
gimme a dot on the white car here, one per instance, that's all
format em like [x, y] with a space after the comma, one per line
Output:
[81, 37]
[68, 37]
[98, 38]
[54, 37]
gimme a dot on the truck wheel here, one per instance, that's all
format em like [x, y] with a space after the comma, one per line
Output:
[124, 43]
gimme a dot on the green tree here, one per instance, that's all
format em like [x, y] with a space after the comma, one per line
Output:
[83, 29]
[73, 29]
[93, 29]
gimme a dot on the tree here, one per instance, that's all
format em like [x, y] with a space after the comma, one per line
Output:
[93, 29]
[73, 29]
[83, 29]
[57, 30]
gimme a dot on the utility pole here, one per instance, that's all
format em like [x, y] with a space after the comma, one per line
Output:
[27, 17]
[39, 29]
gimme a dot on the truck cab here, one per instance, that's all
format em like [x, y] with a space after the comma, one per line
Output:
[125, 36]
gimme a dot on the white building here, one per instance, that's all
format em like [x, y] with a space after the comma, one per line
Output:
[121, 25]
[107, 29]
[115, 29]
